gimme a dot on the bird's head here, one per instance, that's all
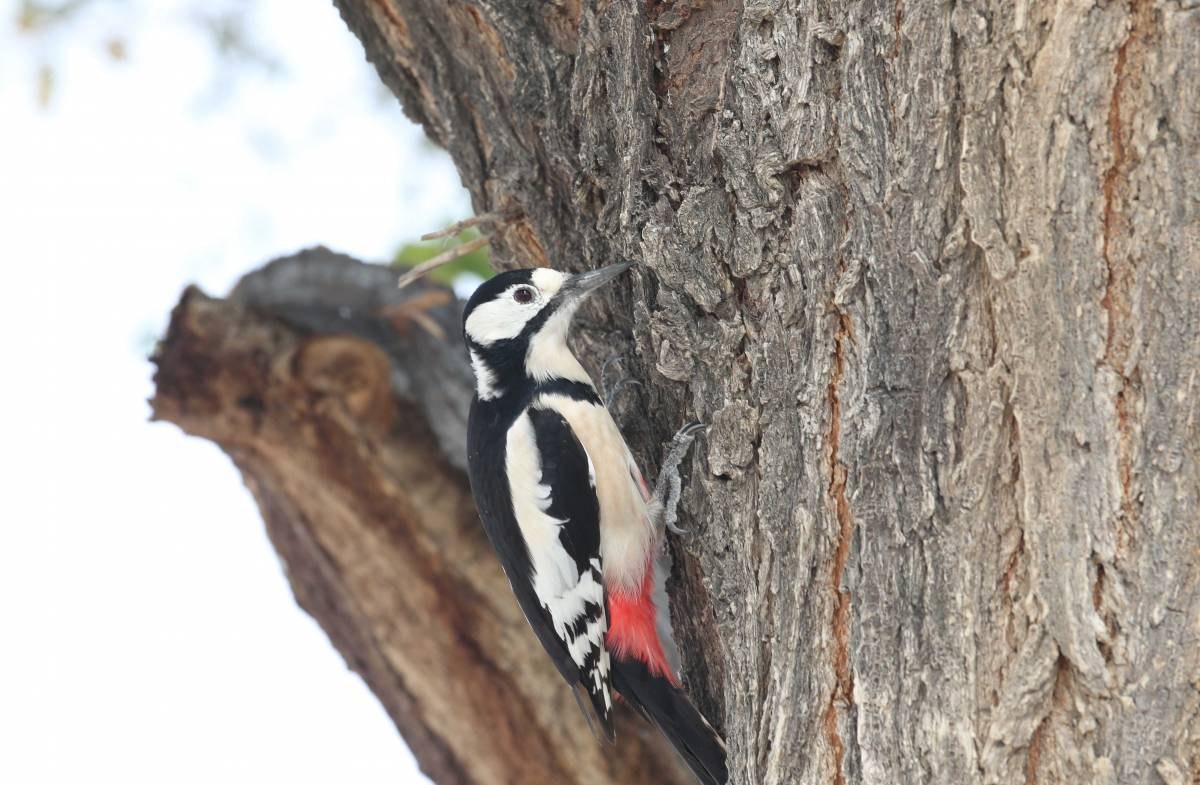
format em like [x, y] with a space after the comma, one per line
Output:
[516, 323]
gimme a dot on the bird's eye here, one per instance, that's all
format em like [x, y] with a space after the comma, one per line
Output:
[524, 295]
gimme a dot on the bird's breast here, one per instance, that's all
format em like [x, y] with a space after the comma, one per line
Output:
[627, 537]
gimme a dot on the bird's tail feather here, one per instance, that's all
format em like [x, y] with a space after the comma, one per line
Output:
[669, 709]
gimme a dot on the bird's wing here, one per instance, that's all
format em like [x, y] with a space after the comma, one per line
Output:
[559, 584]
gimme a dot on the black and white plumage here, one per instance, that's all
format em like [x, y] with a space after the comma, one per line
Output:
[563, 502]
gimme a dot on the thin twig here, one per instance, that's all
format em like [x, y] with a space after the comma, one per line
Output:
[467, 223]
[416, 309]
[444, 258]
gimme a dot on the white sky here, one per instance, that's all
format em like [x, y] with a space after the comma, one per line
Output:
[147, 634]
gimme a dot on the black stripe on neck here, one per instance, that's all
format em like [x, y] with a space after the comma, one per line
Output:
[578, 391]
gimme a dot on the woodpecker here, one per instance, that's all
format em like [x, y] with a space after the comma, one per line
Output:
[579, 533]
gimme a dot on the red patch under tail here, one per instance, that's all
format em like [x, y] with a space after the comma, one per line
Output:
[632, 628]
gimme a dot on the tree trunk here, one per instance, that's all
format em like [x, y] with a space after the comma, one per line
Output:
[931, 272]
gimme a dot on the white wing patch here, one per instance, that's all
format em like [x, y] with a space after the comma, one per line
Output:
[574, 602]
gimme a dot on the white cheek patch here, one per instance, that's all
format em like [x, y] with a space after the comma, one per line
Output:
[500, 319]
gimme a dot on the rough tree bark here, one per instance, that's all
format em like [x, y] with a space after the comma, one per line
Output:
[931, 271]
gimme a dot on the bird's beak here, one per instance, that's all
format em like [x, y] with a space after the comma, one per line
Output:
[580, 284]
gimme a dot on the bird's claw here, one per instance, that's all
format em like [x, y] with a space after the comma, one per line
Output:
[611, 397]
[682, 532]
[616, 358]
[609, 394]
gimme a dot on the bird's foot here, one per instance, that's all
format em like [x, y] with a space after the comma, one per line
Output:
[609, 394]
[665, 498]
